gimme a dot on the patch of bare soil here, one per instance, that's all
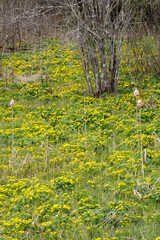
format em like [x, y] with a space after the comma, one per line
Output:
[25, 79]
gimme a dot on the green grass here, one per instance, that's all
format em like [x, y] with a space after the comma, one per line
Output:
[59, 187]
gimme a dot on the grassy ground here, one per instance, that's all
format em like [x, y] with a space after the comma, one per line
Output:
[70, 164]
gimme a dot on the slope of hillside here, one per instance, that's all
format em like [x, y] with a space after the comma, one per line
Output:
[73, 166]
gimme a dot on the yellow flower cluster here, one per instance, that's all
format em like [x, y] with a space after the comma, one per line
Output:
[76, 171]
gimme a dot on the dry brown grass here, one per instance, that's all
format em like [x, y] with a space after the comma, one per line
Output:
[29, 78]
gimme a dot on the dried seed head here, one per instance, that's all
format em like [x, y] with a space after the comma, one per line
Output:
[12, 103]
[139, 104]
[136, 92]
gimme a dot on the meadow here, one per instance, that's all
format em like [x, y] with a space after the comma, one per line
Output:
[73, 166]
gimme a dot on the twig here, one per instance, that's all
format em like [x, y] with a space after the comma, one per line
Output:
[114, 142]
[155, 184]
[12, 137]
[141, 142]
[137, 194]
[137, 123]
[145, 156]
[6, 78]
[85, 126]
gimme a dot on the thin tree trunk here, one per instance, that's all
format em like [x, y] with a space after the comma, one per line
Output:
[86, 69]
[2, 59]
[95, 69]
[114, 82]
[105, 86]
[40, 47]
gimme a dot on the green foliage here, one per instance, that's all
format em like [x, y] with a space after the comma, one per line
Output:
[76, 171]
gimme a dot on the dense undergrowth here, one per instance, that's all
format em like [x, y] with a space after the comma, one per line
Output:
[75, 169]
